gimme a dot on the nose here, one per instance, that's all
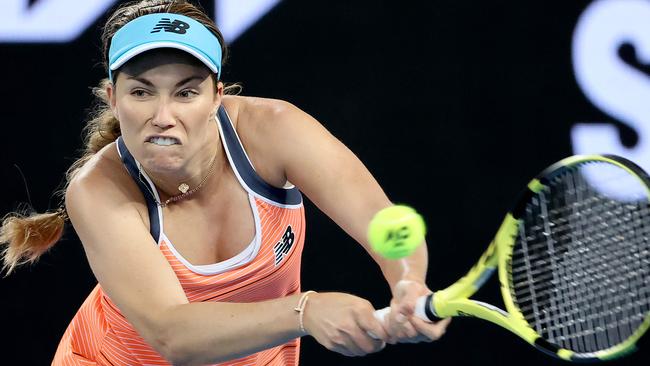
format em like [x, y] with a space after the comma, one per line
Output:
[163, 117]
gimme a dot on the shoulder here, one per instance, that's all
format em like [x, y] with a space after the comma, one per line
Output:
[267, 122]
[255, 112]
[102, 183]
[271, 130]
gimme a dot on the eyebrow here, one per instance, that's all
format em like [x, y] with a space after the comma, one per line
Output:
[149, 83]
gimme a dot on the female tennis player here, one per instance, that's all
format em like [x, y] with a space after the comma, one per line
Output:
[188, 205]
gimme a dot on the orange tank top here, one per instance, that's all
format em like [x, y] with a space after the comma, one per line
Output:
[268, 268]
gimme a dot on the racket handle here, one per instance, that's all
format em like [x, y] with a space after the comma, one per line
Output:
[423, 310]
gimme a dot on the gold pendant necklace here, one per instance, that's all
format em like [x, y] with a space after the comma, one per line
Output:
[184, 188]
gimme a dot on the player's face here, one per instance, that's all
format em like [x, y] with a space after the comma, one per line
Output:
[165, 102]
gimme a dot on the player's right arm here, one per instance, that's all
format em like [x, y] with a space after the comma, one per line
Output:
[132, 271]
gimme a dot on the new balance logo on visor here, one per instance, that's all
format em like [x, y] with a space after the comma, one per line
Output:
[176, 26]
[284, 245]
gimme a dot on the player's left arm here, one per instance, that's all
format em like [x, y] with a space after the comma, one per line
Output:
[338, 183]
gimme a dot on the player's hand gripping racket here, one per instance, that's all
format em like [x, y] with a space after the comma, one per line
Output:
[573, 258]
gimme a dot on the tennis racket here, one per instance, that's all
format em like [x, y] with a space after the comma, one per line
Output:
[573, 260]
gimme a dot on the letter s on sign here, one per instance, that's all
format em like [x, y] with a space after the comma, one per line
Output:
[613, 85]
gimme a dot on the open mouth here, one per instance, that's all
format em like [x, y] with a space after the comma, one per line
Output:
[163, 141]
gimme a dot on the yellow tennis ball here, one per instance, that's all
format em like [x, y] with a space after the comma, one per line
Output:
[396, 231]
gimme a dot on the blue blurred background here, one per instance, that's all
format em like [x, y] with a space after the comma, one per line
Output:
[452, 105]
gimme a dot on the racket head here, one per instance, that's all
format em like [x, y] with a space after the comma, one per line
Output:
[574, 258]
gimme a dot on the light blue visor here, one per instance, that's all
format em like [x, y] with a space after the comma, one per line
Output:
[164, 30]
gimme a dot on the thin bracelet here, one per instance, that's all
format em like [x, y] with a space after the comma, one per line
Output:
[300, 308]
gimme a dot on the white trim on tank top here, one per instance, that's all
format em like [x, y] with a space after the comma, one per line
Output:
[242, 258]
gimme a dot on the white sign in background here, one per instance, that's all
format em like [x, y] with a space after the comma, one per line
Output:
[48, 21]
[612, 85]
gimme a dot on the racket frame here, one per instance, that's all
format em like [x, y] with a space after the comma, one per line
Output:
[454, 300]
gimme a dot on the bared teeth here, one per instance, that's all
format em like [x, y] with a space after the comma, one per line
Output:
[163, 141]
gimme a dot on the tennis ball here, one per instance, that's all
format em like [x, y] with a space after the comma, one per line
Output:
[396, 231]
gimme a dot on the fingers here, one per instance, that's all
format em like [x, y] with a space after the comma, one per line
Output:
[343, 323]
[403, 325]
[417, 330]
[361, 344]
[352, 340]
[402, 309]
[400, 329]
[359, 340]
[372, 325]
[374, 335]
[431, 331]
[348, 347]
[405, 298]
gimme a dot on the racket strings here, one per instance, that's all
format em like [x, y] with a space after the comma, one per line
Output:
[536, 252]
[601, 258]
[612, 332]
[581, 265]
[567, 325]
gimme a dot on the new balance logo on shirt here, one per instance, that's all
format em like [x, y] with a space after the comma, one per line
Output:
[177, 26]
[284, 245]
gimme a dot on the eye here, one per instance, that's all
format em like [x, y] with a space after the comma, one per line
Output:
[139, 93]
[187, 93]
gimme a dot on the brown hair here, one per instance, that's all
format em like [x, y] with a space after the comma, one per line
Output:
[27, 235]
